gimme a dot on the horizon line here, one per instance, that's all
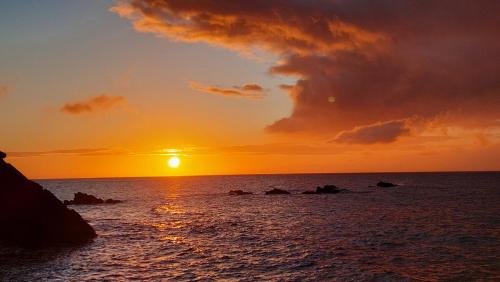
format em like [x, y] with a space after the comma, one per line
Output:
[268, 174]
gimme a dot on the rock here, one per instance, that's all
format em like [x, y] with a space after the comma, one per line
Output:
[111, 201]
[276, 191]
[31, 216]
[386, 184]
[327, 189]
[85, 199]
[239, 192]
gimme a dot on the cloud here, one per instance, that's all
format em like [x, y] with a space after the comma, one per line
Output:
[251, 149]
[356, 62]
[93, 104]
[250, 91]
[4, 90]
[281, 26]
[74, 152]
[385, 132]
[250, 87]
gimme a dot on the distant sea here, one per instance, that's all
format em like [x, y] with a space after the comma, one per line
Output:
[433, 227]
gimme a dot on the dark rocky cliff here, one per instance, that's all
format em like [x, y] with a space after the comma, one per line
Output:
[33, 217]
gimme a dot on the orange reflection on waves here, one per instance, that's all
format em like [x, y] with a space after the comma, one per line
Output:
[173, 239]
[169, 209]
[171, 225]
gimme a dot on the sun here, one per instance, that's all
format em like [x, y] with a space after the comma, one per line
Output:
[174, 162]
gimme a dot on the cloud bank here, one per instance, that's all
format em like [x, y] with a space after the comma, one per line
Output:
[250, 91]
[356, 62]
[93, 104]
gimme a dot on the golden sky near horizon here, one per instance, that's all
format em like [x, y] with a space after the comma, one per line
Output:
[117, 88]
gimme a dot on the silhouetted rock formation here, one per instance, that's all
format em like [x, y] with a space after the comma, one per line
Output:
[327, 189]
[86, 199]
[239, 192]
[111, 201]
[276, 191]
[33, 217]
[386, 184]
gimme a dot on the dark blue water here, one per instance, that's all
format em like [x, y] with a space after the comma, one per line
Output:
[434, 227]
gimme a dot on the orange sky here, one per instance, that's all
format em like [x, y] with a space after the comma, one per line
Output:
[235, 87]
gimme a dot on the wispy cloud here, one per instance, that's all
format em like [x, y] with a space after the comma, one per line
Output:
[93, 104]
[73, 152]
[248, 149]
[249, 91]
[250, 87]
[386, 132]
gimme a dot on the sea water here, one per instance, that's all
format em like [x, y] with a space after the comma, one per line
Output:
[433, 227]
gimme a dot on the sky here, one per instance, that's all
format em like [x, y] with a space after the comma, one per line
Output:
[116, 88]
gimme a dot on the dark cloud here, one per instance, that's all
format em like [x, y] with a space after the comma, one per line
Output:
[356, 62]
[250, 91]
[385, 132]
[281, 25]
[97, 103]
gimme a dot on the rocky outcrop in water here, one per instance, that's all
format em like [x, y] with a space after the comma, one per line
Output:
[85, 199]
[327, 189]
[239, 193]
[277, 191]
[385, 184]
[31, 216]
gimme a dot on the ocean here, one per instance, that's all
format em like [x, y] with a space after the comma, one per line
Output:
[433, 227]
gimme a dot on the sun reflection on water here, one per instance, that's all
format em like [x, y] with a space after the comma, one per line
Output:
[169, 209]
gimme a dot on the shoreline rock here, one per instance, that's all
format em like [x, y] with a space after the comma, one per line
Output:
[80, 198]
[239, 193]
[385, 184]
[276, 191]
[327, 189]
[31, 216]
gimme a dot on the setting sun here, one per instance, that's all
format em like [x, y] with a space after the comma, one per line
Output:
[174, 162]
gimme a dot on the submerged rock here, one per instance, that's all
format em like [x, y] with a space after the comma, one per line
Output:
[112, 201]
[86, 199]
[276, 191]
[239, 192]
[386, 184]
[31, 216]
[327, 189]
